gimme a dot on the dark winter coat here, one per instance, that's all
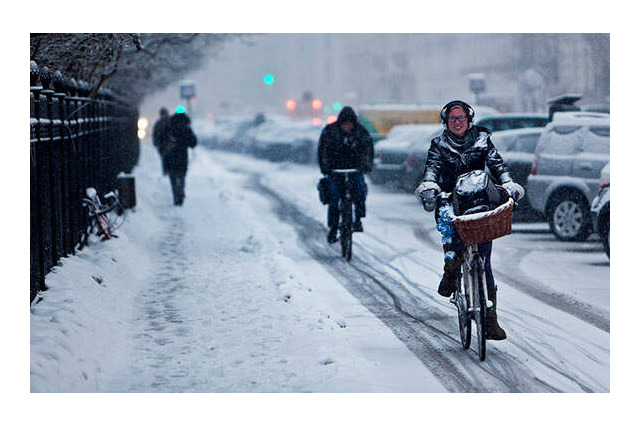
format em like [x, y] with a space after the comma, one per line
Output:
[449, 157]
[341, 150]
[174, 150]
[160, 132]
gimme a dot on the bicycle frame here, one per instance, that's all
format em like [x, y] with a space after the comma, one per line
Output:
[346, 213]
[474, 287]
[470, 296]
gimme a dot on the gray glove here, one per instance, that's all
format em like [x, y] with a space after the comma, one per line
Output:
[428, 198]
[516, 191]
[427, 192]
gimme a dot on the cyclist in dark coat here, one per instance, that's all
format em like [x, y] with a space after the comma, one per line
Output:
[178, 137]
[461, 148]
[345, 144]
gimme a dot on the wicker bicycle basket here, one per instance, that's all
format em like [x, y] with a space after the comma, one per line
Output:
[478, 228]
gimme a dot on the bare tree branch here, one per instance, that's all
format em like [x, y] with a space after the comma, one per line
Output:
[131, 64]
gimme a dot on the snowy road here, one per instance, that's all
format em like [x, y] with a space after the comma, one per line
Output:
[241, 293]
[556, 310]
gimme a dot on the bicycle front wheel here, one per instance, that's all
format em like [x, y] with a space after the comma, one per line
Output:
[464, 319]
[115, 215]
[480, 306]
[346, 230]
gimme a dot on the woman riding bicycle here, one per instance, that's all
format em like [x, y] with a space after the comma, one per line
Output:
[461, 148]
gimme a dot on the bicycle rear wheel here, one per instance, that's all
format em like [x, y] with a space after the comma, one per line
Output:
[480, 306]
[346, 229]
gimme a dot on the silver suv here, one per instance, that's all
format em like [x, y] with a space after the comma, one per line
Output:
[571, 151]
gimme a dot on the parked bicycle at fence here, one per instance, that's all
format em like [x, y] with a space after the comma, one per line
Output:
[103, 218]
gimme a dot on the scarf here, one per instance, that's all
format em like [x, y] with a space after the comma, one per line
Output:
[461, 144]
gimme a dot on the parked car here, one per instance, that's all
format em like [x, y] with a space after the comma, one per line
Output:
[416, 159]
[600, 209]
[517, 148]
[572, 150]
[391, 154]
[256, 137]
[279, 139]
[205, 132]
[228, 131]
[510, 121]
[297, 142]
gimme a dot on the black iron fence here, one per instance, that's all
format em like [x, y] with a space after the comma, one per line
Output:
[76, 142]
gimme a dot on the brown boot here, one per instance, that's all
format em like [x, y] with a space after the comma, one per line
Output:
[451, 276]
[493, 329]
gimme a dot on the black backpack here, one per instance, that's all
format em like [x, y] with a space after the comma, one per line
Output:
[475, 192]
[323, 190]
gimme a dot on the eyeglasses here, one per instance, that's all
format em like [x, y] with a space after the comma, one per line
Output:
[460, 118]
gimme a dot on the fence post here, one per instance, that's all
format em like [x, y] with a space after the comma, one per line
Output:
[74, 166]
[36, 234]
[42, 157]
[61, 146]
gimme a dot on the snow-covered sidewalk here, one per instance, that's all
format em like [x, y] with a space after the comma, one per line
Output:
[211, 297]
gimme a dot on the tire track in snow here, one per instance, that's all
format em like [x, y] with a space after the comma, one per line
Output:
[429, 333]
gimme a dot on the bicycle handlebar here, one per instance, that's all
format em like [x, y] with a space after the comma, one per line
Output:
[345, 171]
[96, 208]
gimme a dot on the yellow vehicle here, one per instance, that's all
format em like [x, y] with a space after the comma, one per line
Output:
[379, 119]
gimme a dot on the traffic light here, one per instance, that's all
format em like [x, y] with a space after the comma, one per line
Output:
[268, 79]
[291, 104]
[316, 104]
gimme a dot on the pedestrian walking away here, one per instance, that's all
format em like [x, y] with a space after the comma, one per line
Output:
[159, 133]
[460, 148]
[345, 144]
[174, 139]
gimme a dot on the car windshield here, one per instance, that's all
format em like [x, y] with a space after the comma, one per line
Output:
[561, 140]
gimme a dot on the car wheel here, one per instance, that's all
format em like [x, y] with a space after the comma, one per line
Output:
[569, 218]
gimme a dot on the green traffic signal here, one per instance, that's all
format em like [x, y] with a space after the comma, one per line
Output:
[268, 79]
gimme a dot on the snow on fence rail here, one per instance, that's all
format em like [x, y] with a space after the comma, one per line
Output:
[76, 141]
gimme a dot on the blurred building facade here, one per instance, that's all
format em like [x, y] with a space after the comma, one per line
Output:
[521, 71]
